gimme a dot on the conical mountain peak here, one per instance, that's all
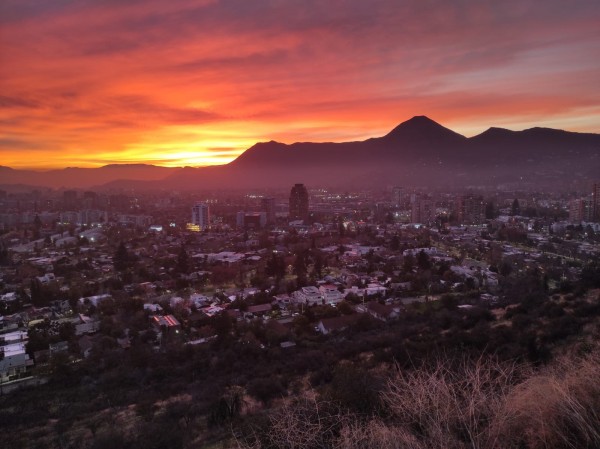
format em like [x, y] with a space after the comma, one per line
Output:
[422, 127]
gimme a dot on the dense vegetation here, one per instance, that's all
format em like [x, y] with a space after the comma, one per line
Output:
[361, 385]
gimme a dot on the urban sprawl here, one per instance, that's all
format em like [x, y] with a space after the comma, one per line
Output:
[184, 266]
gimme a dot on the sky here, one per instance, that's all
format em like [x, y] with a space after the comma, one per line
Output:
[93, 82]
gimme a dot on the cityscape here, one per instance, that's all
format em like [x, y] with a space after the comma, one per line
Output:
[89, 278]
[232, 224]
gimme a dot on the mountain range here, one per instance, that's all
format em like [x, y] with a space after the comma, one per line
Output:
[418, 152]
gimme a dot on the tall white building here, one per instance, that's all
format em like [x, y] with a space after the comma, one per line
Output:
[201, 215]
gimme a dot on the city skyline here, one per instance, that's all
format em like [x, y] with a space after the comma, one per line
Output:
[196, 83]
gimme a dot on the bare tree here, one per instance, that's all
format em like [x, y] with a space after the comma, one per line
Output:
[451, 406]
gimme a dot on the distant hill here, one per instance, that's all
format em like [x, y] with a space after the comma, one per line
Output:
[74, 177]
[416, 152]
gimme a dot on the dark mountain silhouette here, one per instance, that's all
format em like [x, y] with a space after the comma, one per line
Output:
[422, 131]
[416, 152]
[74, 177]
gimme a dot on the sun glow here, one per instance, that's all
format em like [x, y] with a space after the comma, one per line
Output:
[196, 83]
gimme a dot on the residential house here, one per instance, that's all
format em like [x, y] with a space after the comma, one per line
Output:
[338, 323]
[308, 295]
[330, 294]
[15, 367]
[383, 312]
[258, 310]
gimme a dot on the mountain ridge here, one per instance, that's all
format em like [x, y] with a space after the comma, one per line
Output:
[417, 151]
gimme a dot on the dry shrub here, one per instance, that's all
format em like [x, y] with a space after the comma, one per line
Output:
[475, 404]
[559, 408]
[305, 425]
[302, 424]
[376, 434]
[452, 404]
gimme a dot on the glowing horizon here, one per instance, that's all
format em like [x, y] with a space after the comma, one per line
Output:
[193, 83]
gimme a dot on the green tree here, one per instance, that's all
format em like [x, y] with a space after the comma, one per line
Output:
[490, 213]
[5, 258]
[395, 243]
[408, 262]
[275, 266]
[318, 265]
[516, 208]
[183, 260]
[39, 298]
[300, 267]
[121, 258]
[37, 225]
[423, 260]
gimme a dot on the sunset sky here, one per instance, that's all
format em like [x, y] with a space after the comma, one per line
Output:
[182, 82]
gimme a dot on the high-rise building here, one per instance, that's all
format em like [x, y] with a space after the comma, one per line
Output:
[423, 210]
[268, 207]
[581, 209]
[380, 211]
[90, 200]
[470, 209]
[201, 216]
[397, 195]
[70, 199]
[299, 202]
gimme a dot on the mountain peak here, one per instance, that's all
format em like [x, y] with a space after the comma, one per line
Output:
[259, 153]
[422, 127]
[421, 119]
[494, 131]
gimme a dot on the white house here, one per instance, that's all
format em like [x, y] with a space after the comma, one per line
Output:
[330, 294]
[308, 295]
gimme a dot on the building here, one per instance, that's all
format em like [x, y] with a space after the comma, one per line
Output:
[166, 323]
[331, 294]
[253, 220]
[89, 216]
[135, 220]
[70, 199]
[470, 209]
[308, 295]
[397, 195]
[90, 200]
[268, 207]
[581, 209]
[380, 211]
[423, 210]
[338, 323]
[69, 217]
[201, 216]
[299, 202]
[15, 367]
